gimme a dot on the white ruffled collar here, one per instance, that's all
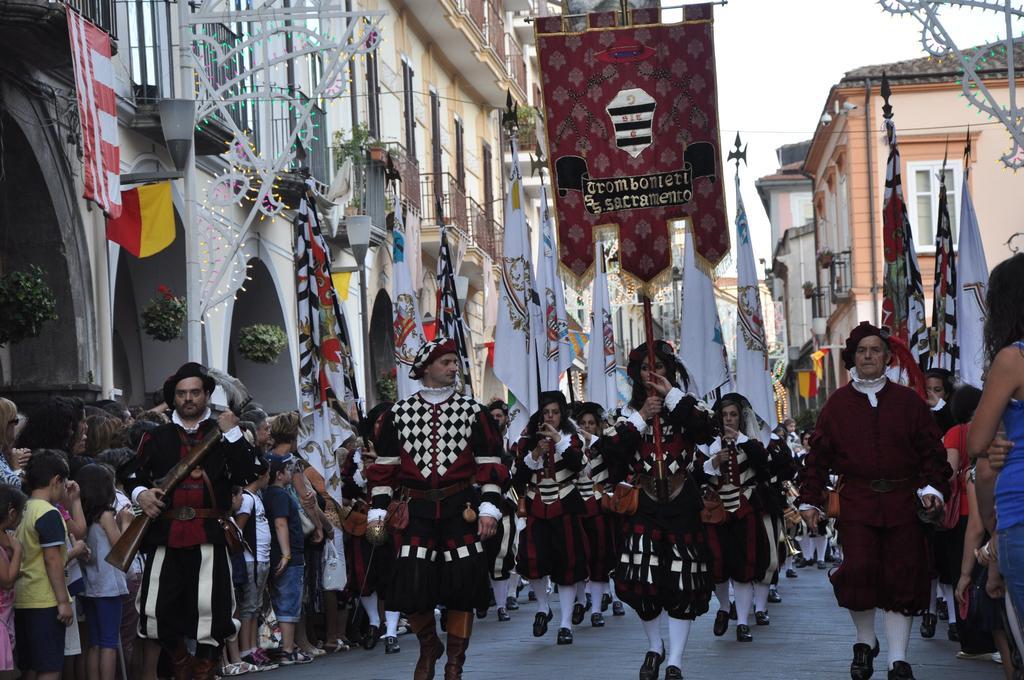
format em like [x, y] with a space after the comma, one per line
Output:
[868, 387]
[436, 395]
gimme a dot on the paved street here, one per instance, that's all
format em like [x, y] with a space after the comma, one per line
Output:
[806, 621]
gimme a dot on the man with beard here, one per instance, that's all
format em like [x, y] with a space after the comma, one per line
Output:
[436, 445]
[881, 439]
[186, 591]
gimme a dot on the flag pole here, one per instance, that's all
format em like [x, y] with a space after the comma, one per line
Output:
[659, 452]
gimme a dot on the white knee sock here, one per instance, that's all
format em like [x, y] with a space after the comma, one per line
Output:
[897, 635]
[761, 597]
[391, 621]
[722, 593]
[540, 589]
[744, 593]
[653, 630]
[370, 604]
[865, 623]
[788, 565]
[807, 547]
[566, 598]
[934, 596]
[597, 591]
[500, 592]
[678, 633]
[581, 592]
[821, 545]
[611, 590]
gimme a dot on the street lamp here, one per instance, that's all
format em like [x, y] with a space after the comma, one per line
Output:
[178, 121]
[357, 227]
[462, 291]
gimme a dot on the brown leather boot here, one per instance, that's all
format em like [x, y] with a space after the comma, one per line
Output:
[460, 627]
[202, 669]
[431, 648]
[182, 662]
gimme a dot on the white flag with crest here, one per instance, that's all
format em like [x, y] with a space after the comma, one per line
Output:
[555, 350]
[972, 286]
[702, 346]
[408, 324]
[753, 377]
[601, 382]
[515, 362]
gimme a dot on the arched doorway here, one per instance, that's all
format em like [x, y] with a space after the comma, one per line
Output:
[381, 344]
[273, 386]
[40, 224]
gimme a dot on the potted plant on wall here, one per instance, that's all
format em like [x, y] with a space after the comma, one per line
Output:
[825, 258]
[378, 152]
[164, 315]
[26, 303]
[808, 289]
[262, 342]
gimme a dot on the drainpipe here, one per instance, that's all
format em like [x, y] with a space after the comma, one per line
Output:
[871, 201]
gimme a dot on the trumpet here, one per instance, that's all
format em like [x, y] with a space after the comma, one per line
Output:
[791, 548]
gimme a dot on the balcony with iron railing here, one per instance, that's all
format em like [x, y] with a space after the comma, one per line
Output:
[515, 62]
[840, 273]
[37, 30]
[409, 171]
[445, 192]
[485, 232]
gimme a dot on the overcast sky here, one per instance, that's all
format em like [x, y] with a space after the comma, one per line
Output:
[777, 60]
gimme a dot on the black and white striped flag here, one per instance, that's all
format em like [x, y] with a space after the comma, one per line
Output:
[449, 313]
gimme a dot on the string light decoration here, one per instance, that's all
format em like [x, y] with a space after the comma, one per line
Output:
[236, 84]
[938, 44]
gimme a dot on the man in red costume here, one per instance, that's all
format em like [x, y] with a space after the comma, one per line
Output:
[436, 445]
[880, 438]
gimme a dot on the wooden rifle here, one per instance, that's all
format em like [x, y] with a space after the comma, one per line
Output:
[660, 478]
[123, 553]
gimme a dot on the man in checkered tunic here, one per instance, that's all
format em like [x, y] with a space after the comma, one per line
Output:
[436, 445]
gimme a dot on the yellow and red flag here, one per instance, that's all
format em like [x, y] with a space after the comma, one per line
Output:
[146, 224]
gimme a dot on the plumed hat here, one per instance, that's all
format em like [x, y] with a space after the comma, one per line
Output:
[188, 370]
[865, 329]
[429, 353]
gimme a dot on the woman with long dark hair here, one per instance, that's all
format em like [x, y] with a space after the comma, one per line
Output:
[1002, 400]
[737, 461]
[548, 458]
[58, 423]
[665, 563]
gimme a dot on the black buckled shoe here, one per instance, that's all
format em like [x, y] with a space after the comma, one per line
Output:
[799, 562]
[578, 612]
[862, 667]
[481, 613]
[761, 618]
[651, 666]
[721, 623]
[732, 611]
[564, 636]
[901, 671]
[928, 623]
[597, 620]
[540, 623]
[606, 601]
[673, 673]
[942, 609]
[511, 604]
[773, 595]
[791, 573]
[953, 633]
[391, 645]
[618, 609]
[503, 615]
[743, 633]
[372, 636]
[531, 596]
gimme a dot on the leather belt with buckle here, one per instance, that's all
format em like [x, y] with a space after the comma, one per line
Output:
[437, 495]
[880, 485]
[186, 513]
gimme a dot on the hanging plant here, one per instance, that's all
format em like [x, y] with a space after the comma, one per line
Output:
[164, 315]
[26, 303]
[387, 386]
[262, 342]
[808, 289]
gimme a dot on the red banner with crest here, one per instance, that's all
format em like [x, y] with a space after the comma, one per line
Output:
[631, 114]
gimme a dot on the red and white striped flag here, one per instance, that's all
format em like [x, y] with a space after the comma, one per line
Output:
[97, 111]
